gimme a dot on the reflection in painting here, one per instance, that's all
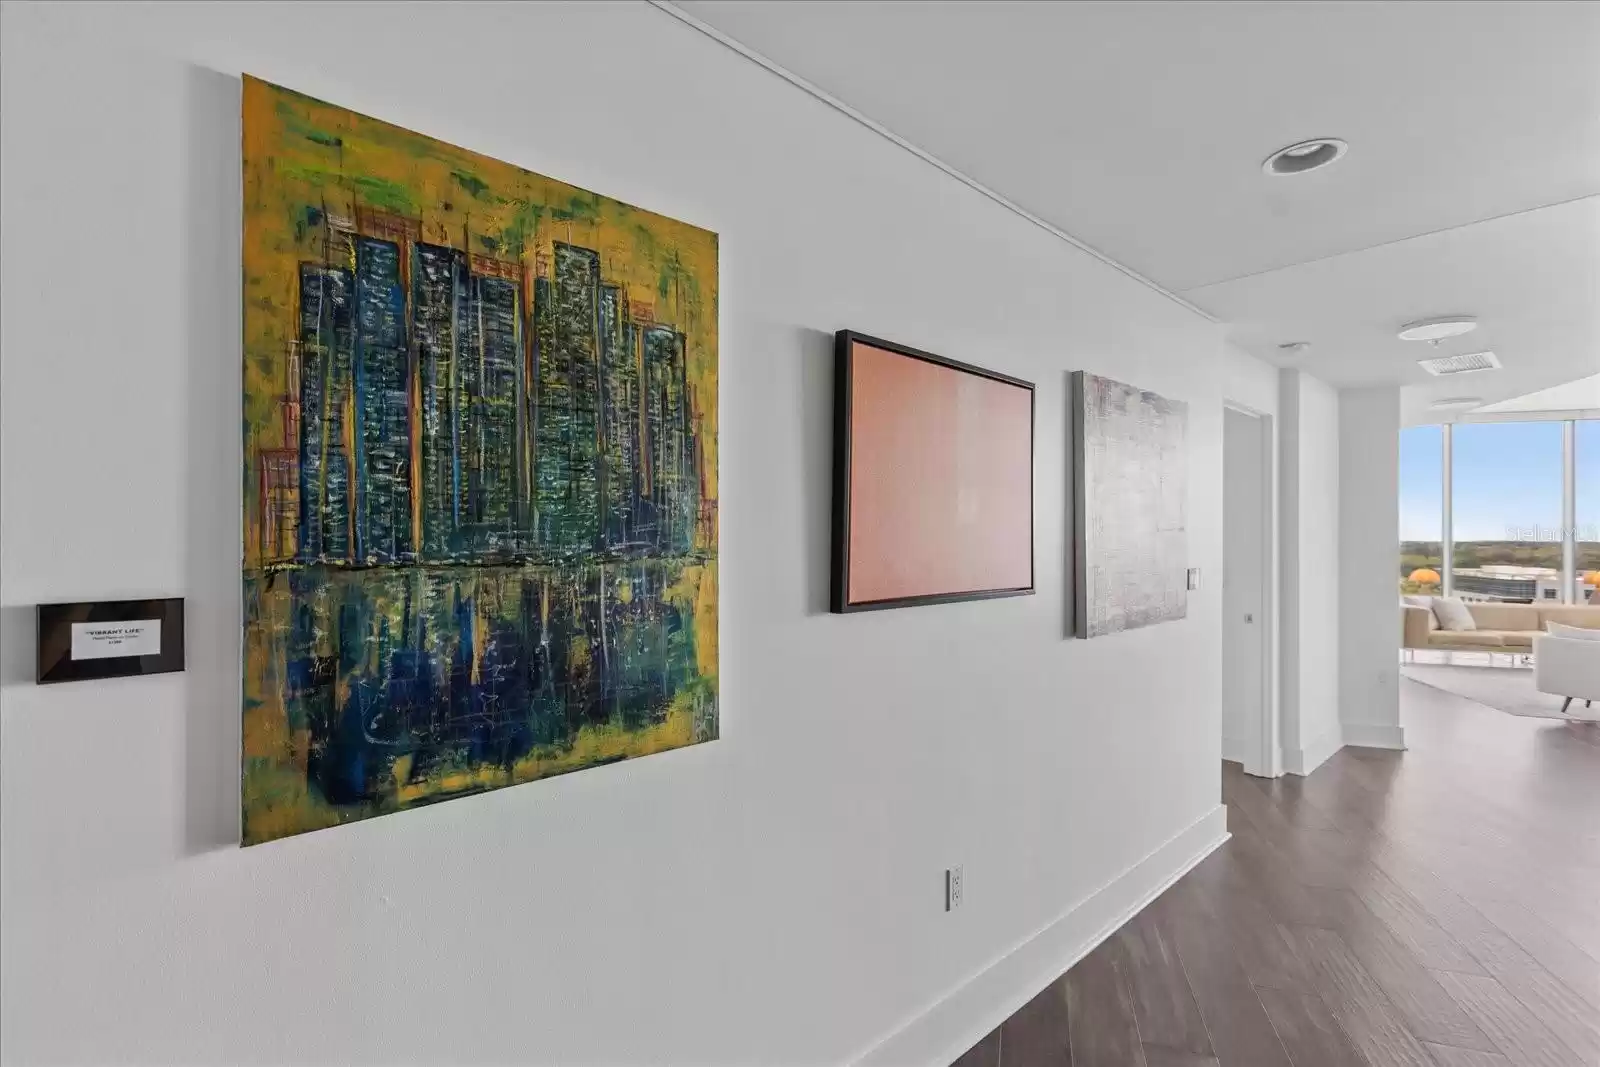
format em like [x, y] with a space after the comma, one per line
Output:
[480, 472]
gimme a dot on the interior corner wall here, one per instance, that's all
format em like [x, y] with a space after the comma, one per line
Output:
[1369, 566]
[775, 896]
[1309, 571]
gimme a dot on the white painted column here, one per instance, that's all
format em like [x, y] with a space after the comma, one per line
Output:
[1310, 569]
[1369, 561]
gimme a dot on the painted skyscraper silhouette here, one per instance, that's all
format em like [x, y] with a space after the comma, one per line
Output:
[444, 417]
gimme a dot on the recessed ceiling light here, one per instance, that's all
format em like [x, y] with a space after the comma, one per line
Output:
[1437, 330]
[1449, 402]
[1462, 364]
[1304, 156]
[1294, 348]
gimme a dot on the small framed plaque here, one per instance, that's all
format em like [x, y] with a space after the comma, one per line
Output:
[109, 639]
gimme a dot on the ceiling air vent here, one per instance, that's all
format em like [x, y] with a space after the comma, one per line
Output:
[1463, 364]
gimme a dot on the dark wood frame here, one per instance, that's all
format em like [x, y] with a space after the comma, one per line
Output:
[838, 599]
[54, 656]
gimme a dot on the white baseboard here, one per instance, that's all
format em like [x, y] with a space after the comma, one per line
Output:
[1233, 749]
[957, 1021]
[1374, 735]
[1303, 761]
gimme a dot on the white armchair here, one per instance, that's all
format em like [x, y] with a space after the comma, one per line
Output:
[1567, 667]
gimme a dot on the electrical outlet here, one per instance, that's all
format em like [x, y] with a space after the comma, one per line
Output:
[952, 888]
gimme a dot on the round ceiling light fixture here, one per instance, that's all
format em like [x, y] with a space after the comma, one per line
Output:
[1304, 156]
[1436, 330]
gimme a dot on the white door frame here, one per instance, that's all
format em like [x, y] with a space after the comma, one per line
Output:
[1263, 755]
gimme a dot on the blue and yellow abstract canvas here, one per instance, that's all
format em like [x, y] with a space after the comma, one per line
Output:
[480, 472]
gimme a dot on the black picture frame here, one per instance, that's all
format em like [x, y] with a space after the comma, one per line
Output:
[55, 660]
[839, 578]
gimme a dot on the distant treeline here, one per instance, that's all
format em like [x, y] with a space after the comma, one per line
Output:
[1414, 554]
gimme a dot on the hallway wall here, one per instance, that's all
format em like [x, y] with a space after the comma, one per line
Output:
[776, 891]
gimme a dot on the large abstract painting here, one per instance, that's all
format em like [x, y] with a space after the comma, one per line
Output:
[480, 472]
[1131, 488]
[933, 479]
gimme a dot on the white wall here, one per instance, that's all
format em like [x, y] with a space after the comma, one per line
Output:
[1309, 570]
[1248, 382]
[771, 897]
[1369, 565]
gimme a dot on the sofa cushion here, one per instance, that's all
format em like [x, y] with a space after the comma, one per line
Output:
[1572, 615]
[1467, 638]
[1453, 614]
[1574, 633]
[1513, 638]
[1506, 616]
[1426, 604]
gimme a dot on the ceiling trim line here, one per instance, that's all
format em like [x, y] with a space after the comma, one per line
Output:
[845, 109]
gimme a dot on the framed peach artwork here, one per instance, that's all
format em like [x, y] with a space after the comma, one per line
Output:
[932, 481]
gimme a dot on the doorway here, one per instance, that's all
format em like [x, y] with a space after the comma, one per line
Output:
[1247, 566]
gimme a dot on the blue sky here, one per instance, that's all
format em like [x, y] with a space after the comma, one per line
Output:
[1507, 477]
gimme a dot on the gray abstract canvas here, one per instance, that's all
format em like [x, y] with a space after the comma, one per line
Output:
[1131, 482]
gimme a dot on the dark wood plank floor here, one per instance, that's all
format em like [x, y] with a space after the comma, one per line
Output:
[1433, 908]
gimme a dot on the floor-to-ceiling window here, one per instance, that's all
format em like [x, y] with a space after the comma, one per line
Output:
[1506, 493]
[1502, 510]
[1421, 509]
[1586, 497]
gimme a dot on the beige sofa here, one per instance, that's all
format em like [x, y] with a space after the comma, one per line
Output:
[1501, 627]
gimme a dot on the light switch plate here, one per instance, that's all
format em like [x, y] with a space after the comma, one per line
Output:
[1194, 577]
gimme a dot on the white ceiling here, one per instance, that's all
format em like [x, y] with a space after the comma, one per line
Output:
[1530, 279]
[1582, 395]
[1140, 129]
